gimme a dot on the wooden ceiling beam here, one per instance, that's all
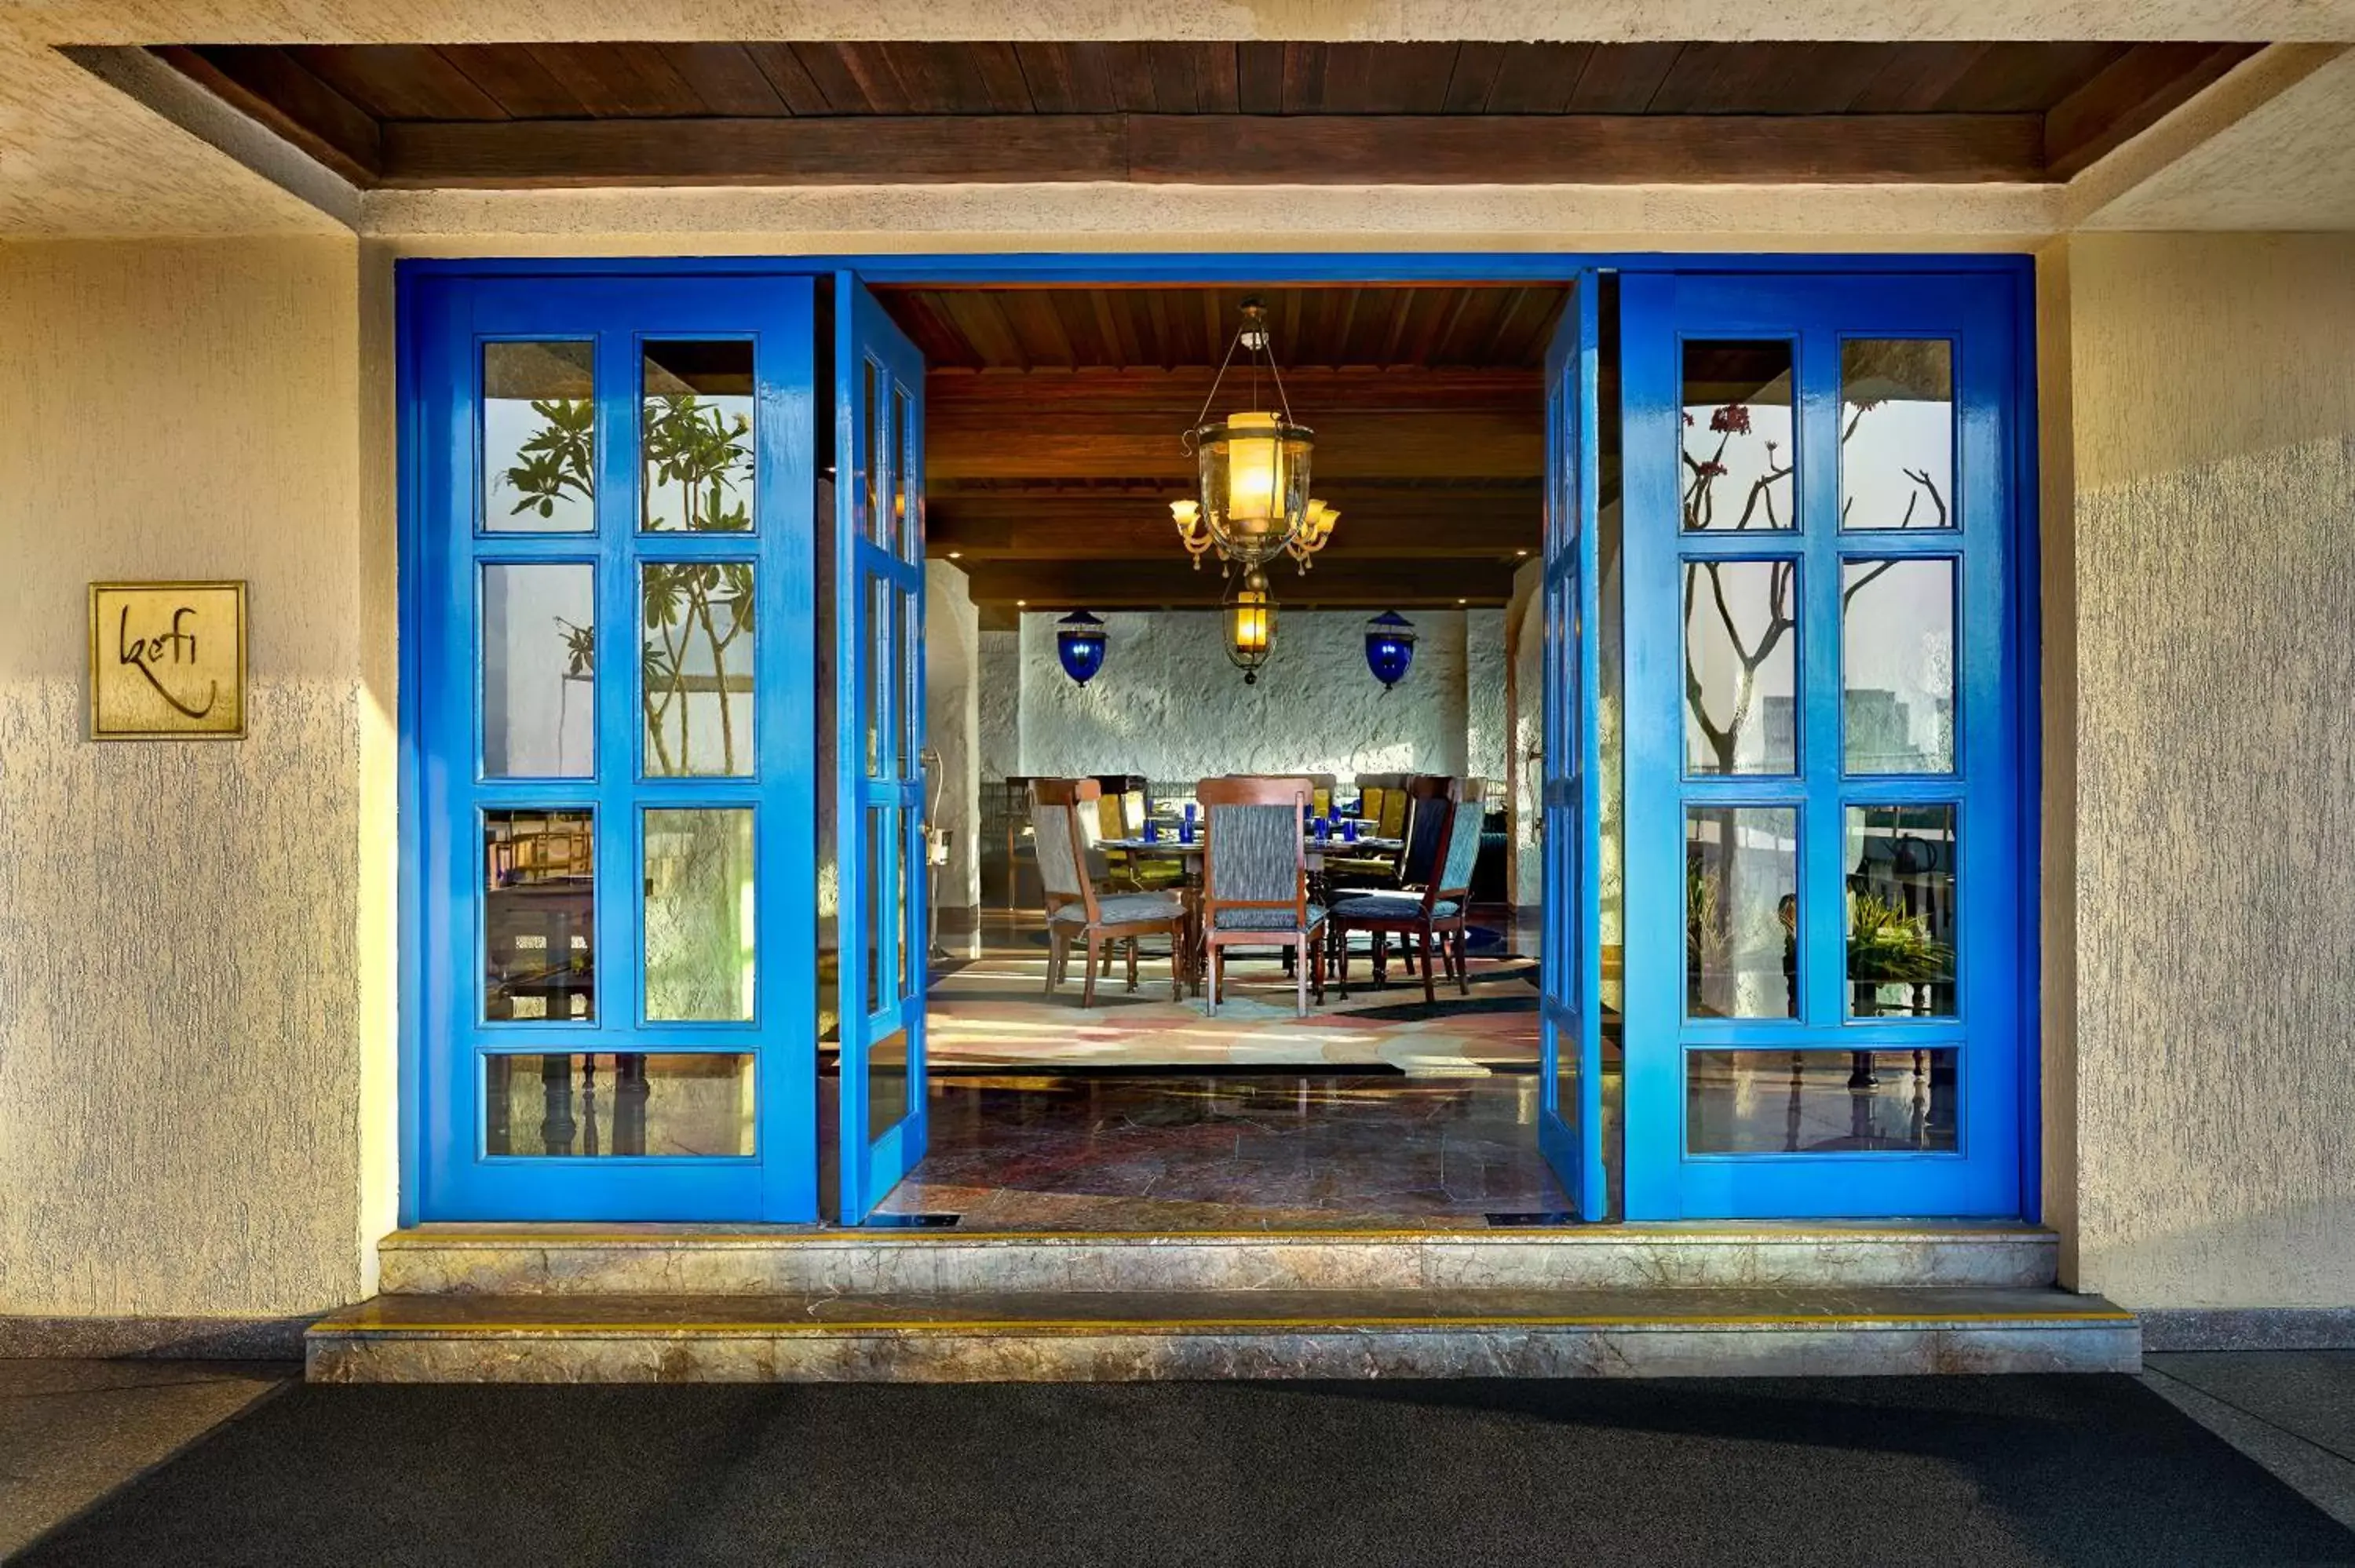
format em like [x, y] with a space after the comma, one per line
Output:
[1220, 149]
[1376, 525]
[1173, 584]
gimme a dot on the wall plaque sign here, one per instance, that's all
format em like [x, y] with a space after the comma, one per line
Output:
[167, 660]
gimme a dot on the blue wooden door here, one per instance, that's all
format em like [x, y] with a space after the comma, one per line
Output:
[1570, 1112]
[878, 556]
[607, 713]
[1826, 997]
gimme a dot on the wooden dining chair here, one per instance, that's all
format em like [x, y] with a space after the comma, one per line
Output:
[1255, 879]
[1076, 912]
[1439, 911]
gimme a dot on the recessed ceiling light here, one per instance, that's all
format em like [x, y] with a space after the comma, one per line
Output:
[1464, 602]
[1021, 604]
[959, 555]
[953, 557]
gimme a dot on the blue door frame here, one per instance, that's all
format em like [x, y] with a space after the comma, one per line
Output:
[427, 889]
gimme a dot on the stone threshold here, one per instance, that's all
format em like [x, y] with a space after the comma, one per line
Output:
[1081, 1335]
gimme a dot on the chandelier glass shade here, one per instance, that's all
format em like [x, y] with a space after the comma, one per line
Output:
[1079, 645]
[1390, 647]
[1252, 500]
[1249, 621]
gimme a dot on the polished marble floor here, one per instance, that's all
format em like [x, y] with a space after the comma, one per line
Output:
[1239, 1150]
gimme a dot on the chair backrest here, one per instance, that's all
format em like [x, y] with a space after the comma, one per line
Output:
[1112, 820]
[1369, 801]
[1392, 823]
[1453, 880]
[1432, 798]
[1057, 808]
[1254, 859]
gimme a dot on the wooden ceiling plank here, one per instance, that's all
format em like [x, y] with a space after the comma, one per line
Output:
[1095, 73]
[1259, 70]
[940, 78]
[1046, 69]
[1174, 582]
[919, 313]
[2027, 78]
[1303, 78]
[400, 81]
[1915, 78]
[829, 67]
[1218, 78]
[1175, 90]
[1472, 317]
[724, 77]
[1349, 80]
[1379, 523]
[1132, 85]
[1031, 315]
[515, 78]
[788, 77]
[1538, 79]
[1691, 85]
[1825, 80]
[270, 86]
[1473, 76]
[1413, 78]
[2134, 93]
[1001, 74]
[1620, 78]
[625, 81]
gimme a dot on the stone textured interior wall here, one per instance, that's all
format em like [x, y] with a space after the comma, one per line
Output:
[1169, 705]
[183, 993]
[1485, 741]
[952, 722]
[2214, 408]
[1525, 648]
[999, 728]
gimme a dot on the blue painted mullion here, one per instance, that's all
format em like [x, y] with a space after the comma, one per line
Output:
[620, 884]
[1823, 904]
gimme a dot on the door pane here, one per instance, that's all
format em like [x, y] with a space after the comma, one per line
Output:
[699, 915]
[695, 424]
[539, 671]
[1897, 665]
[880, 907]
[696, 667]
[1897, 433]
[539, 915]
[887, 1083]
[875, 443]
[1901, 915]
[1741, 666]
[878, 670]
[1820, 1102]
[1741, 912]
[1739, 455]
[583, 1105]
[539, 438]
[903, 505]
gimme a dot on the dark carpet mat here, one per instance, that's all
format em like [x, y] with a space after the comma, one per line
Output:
[1906, 1472]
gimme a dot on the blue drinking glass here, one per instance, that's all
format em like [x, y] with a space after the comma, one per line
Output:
[1349, 830]
[1152, 831]
[1186, 829]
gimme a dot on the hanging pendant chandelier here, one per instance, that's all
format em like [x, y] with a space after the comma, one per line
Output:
[1251, 503]
[1079, 645]
[1390, 647]
[1249, 621]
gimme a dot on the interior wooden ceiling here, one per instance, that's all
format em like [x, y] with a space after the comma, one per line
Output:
[1054, 419]
[523, 114]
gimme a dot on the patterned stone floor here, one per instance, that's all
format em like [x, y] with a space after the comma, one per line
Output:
[994, 1011]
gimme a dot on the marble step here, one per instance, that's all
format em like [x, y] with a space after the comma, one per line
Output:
[603, 1260]
[1086, 1336]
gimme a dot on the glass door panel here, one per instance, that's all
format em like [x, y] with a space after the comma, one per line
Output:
[879, 554]
[1827, 1004]
[611, 846]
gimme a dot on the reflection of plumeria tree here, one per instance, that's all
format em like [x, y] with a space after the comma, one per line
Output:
[1712, 900]
[690, 607]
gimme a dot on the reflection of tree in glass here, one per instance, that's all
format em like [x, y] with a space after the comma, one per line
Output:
[557, 457]
[1920, 477]
[707, 454]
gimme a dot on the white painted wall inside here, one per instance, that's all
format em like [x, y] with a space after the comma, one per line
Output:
[952, 726]
[1170, 707]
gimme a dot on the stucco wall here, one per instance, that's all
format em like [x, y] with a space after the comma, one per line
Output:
[1168, 704]
[952, 718]
[1525, 634]
[2213, 388]
[194, 1032]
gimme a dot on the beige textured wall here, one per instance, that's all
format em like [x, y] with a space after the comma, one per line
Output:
[2213, 388]
[195, 1031]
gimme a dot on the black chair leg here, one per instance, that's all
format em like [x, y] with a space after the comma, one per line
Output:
[1430, 997]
